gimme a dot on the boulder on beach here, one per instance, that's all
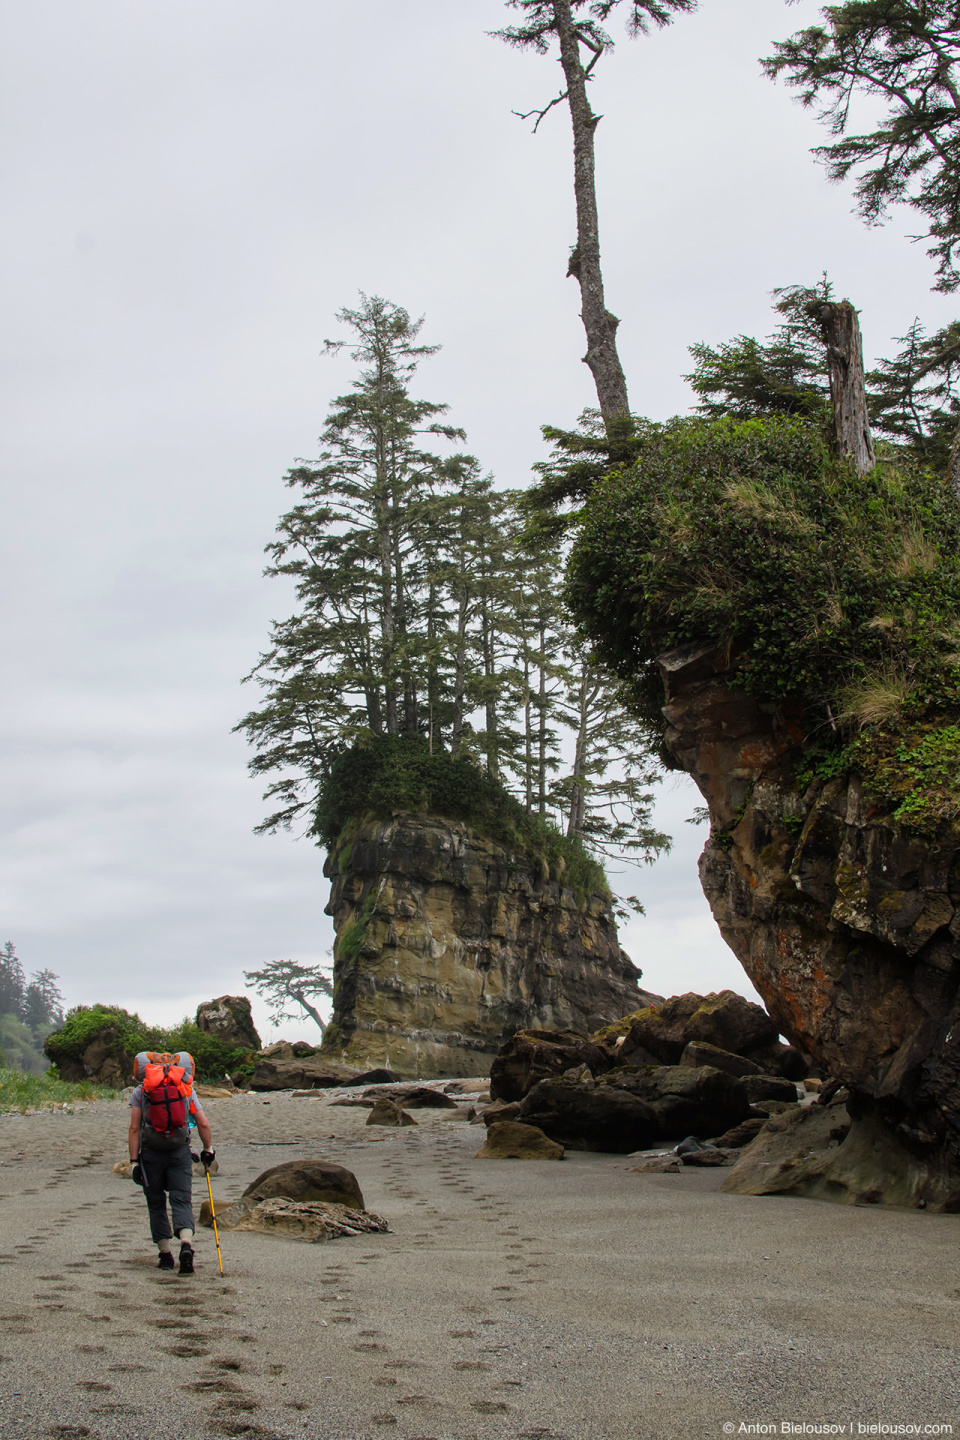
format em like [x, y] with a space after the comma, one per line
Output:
[591, 1117]
[769, 1087]
[687, 1102]
[533, 1055]
[230, 1019]
[412, 1097]
[510, 1140]
[629, 1110]
[386, 1112]
[724, 1019]
[308, 1180]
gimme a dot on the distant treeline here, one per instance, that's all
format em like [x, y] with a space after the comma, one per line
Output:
[29, 1010]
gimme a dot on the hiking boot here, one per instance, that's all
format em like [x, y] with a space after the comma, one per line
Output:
[166, 1260]
[186, 1259]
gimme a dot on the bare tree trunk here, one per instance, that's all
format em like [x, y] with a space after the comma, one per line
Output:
[953, 466]
[600, 325]
[851, 423]
[314, 1014]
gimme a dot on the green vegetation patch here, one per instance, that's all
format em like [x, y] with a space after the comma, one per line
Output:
[839, 590]
[399, 774]
[22, 1092]
[125, 1034]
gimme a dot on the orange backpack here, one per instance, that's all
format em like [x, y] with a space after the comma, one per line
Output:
[167, 1082]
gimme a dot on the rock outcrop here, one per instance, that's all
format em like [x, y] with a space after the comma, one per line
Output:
[230, 1019]
[447, 943]
[847, 925]
[534, 1055]
[298, 1067]
[632, 1109]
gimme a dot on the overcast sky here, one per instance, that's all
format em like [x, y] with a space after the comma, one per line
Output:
[191, 191]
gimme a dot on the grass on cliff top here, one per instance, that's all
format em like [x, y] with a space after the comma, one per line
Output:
[398, 773]
[837, 590]
[20, 1092]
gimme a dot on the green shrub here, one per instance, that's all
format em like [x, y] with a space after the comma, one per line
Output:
[86, 1023]
[398, 773]
[839, 590]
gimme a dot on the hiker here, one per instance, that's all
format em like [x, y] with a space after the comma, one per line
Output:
[163, 1110]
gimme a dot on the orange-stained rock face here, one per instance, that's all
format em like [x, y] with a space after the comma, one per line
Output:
[848, 928]
[447, 944]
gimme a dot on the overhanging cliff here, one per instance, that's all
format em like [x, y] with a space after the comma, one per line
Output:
[847, 924]
[447, 943]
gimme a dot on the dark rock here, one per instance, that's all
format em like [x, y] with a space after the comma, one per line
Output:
[725, 1019]
[685, 1101]
[773, 1107]
[493, 1114]
[629, 1110]
[308, 1180]
[378, 1077]
[769, 1087]
[387, 1112]
[591, 1117]
[780, 1059]
[509, 1140]
[230, 1019]
[310, 1073]
[413, 1097]
[533, 1055]
[698, 1053]
[741, 1134]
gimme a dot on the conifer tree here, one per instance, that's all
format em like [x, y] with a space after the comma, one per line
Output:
[12, 981]
[349, 662]
[905, 53]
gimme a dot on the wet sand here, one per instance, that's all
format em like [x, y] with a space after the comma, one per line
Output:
[511, 1301]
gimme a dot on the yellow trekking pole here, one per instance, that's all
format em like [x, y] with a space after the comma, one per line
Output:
[213, 1217]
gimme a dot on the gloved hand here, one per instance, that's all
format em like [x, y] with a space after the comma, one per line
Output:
[207, 1158]
[137, 1175]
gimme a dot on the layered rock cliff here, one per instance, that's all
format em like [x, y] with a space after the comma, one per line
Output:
[447, 943]
[848, 926]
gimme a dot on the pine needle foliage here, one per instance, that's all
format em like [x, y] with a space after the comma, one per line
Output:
[904, 55]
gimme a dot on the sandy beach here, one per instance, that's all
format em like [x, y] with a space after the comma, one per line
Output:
[510, 1301]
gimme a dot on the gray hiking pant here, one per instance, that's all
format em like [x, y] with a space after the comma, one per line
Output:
[168, 1172]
